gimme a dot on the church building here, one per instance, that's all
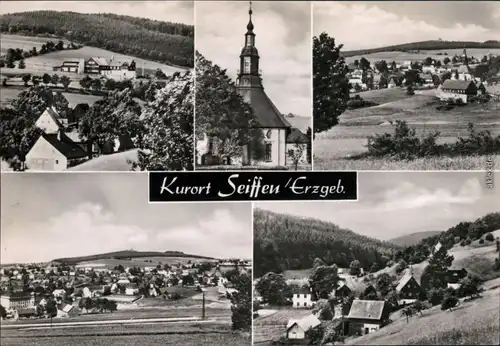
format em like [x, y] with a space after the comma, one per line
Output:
[284, 144]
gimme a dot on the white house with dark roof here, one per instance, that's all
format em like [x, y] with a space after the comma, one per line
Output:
[298, 329]
[50, 121]
[302, 298]
[408, 289]
[458, 90]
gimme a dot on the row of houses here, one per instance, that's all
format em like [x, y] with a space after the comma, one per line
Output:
[118, 69]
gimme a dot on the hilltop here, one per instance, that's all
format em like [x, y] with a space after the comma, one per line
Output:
[165, 42]
[126, 254]
[425, 45]
[413, 238]
[283, 242]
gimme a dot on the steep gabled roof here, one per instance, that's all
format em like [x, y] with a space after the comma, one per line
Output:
[453, 84]
[367, 309]
[65, 145]
[306, 323]
[296, 136]
[403, 281]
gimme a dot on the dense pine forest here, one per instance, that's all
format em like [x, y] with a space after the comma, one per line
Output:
[164, 42]
[283, 242]
[426, 45]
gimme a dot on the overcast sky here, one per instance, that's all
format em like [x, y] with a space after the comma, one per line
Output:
[167, 11]
[283, 38]
[361, 24]
[47, 216]
[392, 204]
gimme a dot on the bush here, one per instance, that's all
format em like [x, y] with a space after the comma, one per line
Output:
[436, 296]
[449, 302]
[489, 237]
[481, 241]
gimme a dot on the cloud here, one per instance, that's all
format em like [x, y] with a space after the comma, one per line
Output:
[283, 38]
[410, 196]
[88, 229]
[168, 11]
[360, 26]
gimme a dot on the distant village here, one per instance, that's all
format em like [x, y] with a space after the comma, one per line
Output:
[453, 78]
[357, 303]
[60, 291]
[107, 67]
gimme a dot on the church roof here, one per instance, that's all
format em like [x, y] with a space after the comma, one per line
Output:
[296, 136]
[464, 69]
[266, 113]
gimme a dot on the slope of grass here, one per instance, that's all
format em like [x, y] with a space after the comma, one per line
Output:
[108, 163]
[472, 323]
[413, 238]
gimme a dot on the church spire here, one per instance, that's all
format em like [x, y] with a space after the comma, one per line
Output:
[250, 24]
[249, 74]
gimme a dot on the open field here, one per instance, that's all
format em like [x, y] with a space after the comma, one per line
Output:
[46, 62]
[271, 327]
[23, 42]
[147, 334]
[144, 261]
[472, 323]
[301, 123]
[400, 57]
[334, 149]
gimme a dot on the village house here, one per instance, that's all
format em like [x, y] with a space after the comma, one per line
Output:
[108, 67]
[367, 316]
[392, 83]
[302, 298]
[427, 80]
[342, 290]
[275, 128]
[299, 329]
[17, 300]
[455, 274]
[458, 90]
[408, 290]
[67, 310]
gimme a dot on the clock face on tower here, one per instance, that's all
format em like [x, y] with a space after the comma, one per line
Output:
[268, 134]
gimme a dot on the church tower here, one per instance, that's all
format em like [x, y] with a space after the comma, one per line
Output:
[249, 75]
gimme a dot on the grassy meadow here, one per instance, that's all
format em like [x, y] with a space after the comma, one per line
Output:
[272, 325]
[335, 149]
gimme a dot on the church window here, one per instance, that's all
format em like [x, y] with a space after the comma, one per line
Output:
[268, 134]
[246, 65]
[269, 148]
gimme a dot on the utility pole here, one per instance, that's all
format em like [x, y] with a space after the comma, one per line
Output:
[203, 306]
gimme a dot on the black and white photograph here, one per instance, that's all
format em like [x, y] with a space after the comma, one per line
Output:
[404, 85]
[87, 260]
[97, 85]
[416, 261]
[253, 85]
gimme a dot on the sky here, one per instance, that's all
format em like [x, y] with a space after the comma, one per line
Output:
[392, 204]
[361, 24]
[283, 39]
[167, 11]
[47, 216]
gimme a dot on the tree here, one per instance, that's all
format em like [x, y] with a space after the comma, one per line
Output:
[330, 83]
[3, 312]
[22, 64]
[449, 302]
[364, 64]
[296, 153]
[374, 268]
[273, 289]
[223, 115]
[160, 74]
[187, 280]
[85, 82]
[166, 141]
[242, 303]
[26, 78]
[446, 61]
[355, 268]
[35, 80]
[381, 66]
[96, 84]
[65, 81]
[116, 115]
[51, 309]
[408, 313]
[54, 79]
[384, 284]
[470, 287]
[402, 265]
[410, 91]
[322, 280]
[434, 275]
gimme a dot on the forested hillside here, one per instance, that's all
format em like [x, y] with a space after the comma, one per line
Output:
[283, 242]
[165, 42]
[425, 45]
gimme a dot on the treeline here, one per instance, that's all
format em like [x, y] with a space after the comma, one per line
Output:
[426, 45]
[126, 254]
[283, 242]
[170, 43]
[462, 233]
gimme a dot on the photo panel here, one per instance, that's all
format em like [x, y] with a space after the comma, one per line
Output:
[97, 86]
[86, 258]
[253, 85]
[415, 261]
[406, 85]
